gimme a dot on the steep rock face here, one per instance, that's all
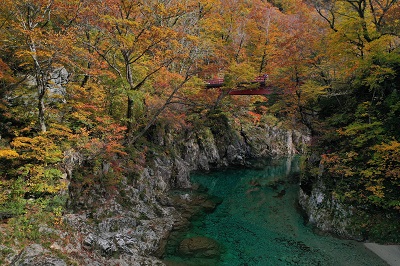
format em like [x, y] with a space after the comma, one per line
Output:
[128, 226]
[206, 149]
[267, 141]
[352, 221]
[125, 228]
[327, 213]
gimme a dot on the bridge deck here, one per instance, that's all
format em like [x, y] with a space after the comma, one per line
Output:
[262, 89]
[258, 91]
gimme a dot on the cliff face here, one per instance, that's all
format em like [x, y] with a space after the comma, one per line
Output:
[206, 149]
[129, 226]
[327, 213]
[352, 221]
[323, 210]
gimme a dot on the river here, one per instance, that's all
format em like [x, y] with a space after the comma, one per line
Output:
[259, 223]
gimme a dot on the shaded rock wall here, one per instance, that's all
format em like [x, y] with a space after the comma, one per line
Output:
[344, 219]
[205, 149]
[327, 213]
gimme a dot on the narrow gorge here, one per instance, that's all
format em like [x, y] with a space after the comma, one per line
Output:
[131, 225]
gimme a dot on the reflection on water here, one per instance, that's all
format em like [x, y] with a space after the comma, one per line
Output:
[258, 223]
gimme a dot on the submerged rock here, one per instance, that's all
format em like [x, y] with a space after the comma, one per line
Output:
[200, 246]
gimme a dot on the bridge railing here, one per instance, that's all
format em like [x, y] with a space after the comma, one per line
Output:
[219, 82]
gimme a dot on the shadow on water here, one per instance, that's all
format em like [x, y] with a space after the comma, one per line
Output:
[256, 221]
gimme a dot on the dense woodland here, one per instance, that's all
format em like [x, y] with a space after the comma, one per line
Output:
[95, 76]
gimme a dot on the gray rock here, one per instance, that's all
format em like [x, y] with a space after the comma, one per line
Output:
[58, 78]
[89, 240]
[115, 224]
[36, 255]
[182, 172]
[106, 246]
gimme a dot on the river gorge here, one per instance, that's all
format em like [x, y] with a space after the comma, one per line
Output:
[249, 213]
[257, 221]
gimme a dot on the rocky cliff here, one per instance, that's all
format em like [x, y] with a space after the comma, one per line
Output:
[327, 213]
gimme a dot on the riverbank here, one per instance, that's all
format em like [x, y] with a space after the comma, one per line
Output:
[389, 253]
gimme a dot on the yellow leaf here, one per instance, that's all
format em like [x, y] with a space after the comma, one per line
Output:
[8, 154]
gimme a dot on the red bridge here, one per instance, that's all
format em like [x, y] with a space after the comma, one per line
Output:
[261, 89]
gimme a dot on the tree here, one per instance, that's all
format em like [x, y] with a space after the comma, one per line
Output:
[37, 36]
[358, 21]
[137, 40]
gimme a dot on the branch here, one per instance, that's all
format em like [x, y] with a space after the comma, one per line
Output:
[140, 84]
[133, 60]
[159, 111]
[103, 55]
[75, 15]
[331, 21]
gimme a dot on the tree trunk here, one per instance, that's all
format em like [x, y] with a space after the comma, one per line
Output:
[41, 87]
[42, 122]
[129, 79]
[264, 56]
[129, 117]
[221, 96]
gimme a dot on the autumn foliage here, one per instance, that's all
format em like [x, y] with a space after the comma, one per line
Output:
[95, 78]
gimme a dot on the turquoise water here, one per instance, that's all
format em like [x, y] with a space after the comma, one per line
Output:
[258, 223]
